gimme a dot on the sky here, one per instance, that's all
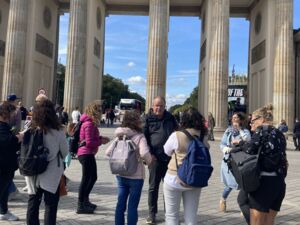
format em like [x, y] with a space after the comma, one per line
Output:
[126, 46]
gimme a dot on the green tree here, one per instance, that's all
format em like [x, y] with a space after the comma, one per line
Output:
[190, 101]
[193, 99]
[174, 107]
[113, 89]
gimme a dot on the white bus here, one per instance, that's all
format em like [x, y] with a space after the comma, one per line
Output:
[127, 104]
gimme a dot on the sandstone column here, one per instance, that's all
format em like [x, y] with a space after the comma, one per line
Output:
[284, 77]
[157, 49]
[14, 62]
[218, 62]
[75, 70]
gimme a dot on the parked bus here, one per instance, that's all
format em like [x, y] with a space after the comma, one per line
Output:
[127, 104]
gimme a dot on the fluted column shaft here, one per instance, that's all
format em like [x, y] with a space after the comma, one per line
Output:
[218, 62]
[157, 50]
[75, 70]
[284, 78]
[15, 49]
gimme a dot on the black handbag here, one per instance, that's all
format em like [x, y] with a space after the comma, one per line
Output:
[245, 169]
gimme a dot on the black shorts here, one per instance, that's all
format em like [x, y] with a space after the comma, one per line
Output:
[269, 195]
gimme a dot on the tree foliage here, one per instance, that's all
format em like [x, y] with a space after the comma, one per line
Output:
[113, 89]
[190, 101]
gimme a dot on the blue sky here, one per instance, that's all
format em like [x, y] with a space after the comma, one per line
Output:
[126, 46]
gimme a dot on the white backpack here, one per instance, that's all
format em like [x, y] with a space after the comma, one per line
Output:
[124, 158]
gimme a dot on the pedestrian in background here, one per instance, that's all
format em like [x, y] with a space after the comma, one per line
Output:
[283, 127]
[296, 134]
[76, 115]
[211, 125]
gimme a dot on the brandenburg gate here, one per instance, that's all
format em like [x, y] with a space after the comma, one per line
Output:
[29, 49]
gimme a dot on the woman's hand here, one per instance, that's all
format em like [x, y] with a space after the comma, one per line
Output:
[20, 136]
[235, 142]
[104, 140]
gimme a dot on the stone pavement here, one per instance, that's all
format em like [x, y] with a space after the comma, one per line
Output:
[104, 195]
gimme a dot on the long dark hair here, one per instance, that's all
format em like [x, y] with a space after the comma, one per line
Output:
[192, 118]
[44, 116]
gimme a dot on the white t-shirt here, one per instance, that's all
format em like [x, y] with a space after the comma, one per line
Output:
[170, 146]
[75, 116]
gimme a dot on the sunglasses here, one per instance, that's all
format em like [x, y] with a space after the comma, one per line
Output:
[252, 121]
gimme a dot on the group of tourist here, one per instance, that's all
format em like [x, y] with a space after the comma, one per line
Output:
[158, 138]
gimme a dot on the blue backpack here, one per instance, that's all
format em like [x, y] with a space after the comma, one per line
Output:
[196, 168]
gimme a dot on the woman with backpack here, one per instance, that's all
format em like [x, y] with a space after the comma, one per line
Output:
[130, 186]
[176, 147]
[265, 202]
[46, 184]
[89, 140]
[9, 145]
[231, 137]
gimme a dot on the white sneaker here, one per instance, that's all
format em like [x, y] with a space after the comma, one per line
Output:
[8, 216]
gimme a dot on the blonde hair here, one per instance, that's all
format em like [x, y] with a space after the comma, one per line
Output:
[70, 128]
[94, 110]
[265, 112]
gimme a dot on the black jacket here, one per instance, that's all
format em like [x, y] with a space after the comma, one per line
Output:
[8, 150]
[273, 145]
[157, 131]
[297, 128]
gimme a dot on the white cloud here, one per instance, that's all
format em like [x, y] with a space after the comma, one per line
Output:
[136, 80]
[175, 99]
[131, 64]
[62, 51]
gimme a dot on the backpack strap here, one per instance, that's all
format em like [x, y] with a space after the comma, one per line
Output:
[190, 137]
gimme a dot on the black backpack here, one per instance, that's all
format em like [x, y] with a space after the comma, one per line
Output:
[33, 156]
[246, 168]
[74, 139]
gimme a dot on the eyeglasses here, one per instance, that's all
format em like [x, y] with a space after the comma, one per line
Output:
[252, 121]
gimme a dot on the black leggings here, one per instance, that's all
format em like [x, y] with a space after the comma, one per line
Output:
[89, 176]
[243, 201]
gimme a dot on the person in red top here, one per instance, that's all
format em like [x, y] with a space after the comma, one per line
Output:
[90, 140]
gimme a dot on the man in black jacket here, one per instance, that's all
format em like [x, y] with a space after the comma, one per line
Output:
[159, 125]
[296, 135]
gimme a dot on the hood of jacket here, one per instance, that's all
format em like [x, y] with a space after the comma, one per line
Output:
[84, 117]
[120, 131]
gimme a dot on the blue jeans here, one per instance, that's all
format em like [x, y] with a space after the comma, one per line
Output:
[131, 188]
[12, 187]
[226, 192]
